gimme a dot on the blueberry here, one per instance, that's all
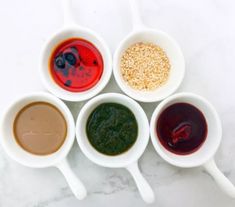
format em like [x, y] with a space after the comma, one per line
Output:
[95, 62]
[60, 62]
[70, 58]
[76, 53]
[68, 83]
[74, 50]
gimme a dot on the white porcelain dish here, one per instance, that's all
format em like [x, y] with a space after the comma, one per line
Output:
[57, 159]
[141, 33]
[204, 156]
[129, 159]
[71, 30]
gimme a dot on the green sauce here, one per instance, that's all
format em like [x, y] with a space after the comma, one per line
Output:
[112, 128]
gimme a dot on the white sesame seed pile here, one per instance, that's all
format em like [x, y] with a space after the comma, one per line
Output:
[145, 66]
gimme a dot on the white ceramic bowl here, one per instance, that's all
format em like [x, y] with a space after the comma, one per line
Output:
[56, 159]
[168, 44]
[204, 156]
[71, 30]
[66, 33]
[174, 54]
[128, 159]
[213, 139]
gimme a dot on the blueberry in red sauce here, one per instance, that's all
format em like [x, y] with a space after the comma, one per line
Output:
[74, 50]
[68, 83]
[95, 62]
[70, 58]
[60, 62]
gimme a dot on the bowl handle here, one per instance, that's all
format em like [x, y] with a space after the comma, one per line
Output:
[222, 181]
[136, 20]
[144, 188]
[75, 184]
[68, 17]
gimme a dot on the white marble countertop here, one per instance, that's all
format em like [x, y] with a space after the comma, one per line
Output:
[205, 30]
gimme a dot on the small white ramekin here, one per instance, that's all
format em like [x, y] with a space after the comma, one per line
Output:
[57, 159]
[142, 34]
[71, 30]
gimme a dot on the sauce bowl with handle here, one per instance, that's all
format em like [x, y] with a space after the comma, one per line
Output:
[141, 33]
[72, 30]
[56, 159]
[204, 156]
[128, 159]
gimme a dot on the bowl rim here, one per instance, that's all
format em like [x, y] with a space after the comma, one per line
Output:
[159, 148]
[99, 160]
[53, 88]
[40, 161]
[125, 88]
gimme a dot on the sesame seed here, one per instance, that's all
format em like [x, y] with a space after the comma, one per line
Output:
[145, 66]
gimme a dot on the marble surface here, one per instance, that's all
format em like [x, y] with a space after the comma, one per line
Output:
[205, 31]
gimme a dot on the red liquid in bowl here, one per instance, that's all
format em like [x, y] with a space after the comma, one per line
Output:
[181, 128]
[76, 65]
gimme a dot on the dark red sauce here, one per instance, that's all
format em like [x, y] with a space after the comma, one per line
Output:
[76, 65]
[181, 128]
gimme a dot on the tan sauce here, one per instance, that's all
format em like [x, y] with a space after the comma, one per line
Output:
[40, 128]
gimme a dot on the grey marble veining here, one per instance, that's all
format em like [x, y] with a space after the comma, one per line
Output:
[205, 31]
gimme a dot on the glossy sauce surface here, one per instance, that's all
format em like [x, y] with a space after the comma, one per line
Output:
[76, 65]
[40, 128]
[181, 128]
[112, 128]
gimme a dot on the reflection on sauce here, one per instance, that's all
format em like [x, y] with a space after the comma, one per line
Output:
[40, 128]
